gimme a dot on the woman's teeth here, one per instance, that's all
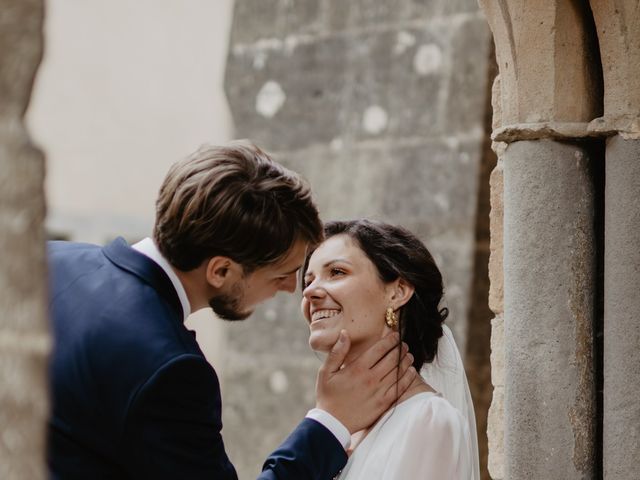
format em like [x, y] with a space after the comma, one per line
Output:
[317, 315]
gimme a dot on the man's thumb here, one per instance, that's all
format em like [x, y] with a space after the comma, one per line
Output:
[338, 353]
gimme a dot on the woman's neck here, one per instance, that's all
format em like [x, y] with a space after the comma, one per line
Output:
[417, 386]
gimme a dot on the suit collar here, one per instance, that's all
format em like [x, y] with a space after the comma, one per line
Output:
[149, 248]
[146, 269]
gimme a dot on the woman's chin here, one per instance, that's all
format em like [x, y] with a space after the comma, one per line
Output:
[322, 341]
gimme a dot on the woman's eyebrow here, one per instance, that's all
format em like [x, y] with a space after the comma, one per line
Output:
[337, 260]
[328, 264]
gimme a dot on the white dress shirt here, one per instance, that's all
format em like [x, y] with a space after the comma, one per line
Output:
[148, 248]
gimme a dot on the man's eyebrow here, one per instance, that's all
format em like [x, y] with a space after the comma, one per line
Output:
[293, 271]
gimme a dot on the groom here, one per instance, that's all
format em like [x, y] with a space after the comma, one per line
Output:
[132, 394]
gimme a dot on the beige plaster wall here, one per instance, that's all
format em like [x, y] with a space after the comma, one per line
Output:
[124, 90]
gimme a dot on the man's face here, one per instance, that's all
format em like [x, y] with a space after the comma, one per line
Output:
[263, 283]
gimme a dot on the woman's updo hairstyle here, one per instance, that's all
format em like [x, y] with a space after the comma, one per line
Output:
[396, 252]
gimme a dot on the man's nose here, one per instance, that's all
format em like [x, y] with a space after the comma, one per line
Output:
[289, 284]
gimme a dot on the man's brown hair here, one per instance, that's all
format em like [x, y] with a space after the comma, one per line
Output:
[233, 201]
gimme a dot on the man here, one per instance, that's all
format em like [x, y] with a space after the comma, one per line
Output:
[133, 396]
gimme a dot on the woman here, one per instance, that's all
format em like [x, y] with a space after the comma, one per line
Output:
[371, 278]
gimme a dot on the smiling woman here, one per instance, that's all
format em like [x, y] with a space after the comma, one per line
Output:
[361, 270]
[342, 286]
[370, 279]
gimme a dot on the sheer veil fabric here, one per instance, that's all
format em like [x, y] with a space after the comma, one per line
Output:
[447, 376]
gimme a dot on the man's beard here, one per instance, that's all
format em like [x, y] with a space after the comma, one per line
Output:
[228, 306]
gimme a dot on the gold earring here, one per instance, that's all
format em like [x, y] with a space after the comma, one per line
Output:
[390, 318]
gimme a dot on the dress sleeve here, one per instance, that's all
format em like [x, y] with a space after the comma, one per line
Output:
[436, 446]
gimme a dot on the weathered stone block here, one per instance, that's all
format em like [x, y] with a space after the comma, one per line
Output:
[618, 26]
[495, 434]
[496, 220]
[392, 72]
[355, 14]
[471, 40]
[556, 81]
[255, 20]
[496, 104]
[497, 351]
[418, 182]
[291, 96]
[287, 99]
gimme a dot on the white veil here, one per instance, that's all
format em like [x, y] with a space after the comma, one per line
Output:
[446, 375]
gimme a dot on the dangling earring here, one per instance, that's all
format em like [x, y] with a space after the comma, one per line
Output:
[390, 318]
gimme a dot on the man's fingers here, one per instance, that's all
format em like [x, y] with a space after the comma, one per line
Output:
[399, 368]
[396, 390]
[391, 360]
[378, 351]
[336, 356]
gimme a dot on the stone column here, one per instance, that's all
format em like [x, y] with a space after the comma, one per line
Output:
[621, 422]
[550, 90]
[618, 26]
[23, 333]
[548, 275]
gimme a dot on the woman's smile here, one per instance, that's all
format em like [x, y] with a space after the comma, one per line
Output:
[324, 313]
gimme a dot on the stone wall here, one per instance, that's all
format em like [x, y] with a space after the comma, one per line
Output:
[381, 105]
[24, 341]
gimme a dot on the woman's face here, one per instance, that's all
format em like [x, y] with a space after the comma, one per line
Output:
[343, 291]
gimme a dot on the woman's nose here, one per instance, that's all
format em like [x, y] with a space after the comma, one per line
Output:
[313, 290]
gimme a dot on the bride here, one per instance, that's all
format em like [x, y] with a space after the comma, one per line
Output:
[371, 278]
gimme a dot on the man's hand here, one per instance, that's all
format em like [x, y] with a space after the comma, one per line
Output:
[359, 393]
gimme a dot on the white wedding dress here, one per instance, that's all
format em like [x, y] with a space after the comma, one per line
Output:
[428, 436]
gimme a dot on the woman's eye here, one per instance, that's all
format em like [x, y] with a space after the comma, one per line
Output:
[336, 271]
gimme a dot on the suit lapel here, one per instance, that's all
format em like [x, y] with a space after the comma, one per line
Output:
[146, 269]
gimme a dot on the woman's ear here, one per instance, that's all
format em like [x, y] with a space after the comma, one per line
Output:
[401, 293]
[219, 270]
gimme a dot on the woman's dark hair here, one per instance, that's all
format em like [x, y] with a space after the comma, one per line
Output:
[396, 252]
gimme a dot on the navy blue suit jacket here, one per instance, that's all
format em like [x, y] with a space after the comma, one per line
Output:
[132, 393]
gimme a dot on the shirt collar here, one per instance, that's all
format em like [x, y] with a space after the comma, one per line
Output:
[148, 248]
